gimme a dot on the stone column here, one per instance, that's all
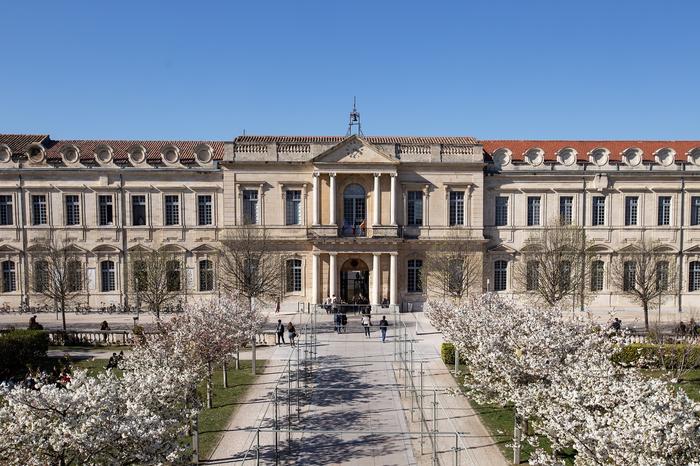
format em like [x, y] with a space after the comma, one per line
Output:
[332, 274]
[376, 279]
[314, 277]
[331, 199]
[316, 198]
[377, 201]
[393, 200]
[393, 279]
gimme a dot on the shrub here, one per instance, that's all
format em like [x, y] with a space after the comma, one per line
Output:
[650, 355]
[21, 350]
[447, 353]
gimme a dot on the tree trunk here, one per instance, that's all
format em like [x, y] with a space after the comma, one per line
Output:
[225, 368]
[253, 356]
[209, 388]
[238, 359]
[646, 316]
[63, 313]
[517, 437]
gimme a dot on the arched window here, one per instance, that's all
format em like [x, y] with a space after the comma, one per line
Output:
[629, 279]
[500, 275]
[172, 268]
[354, 210]
[532, 273]
[108, 275]
[694, 276]
[41, 276]
[597, 275]
[9, 277]
[206, 275]
[293, 275]
[75, 276]
[415, 282]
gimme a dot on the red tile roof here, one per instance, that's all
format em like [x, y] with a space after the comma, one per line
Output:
[453, 140]
[18, 142]
[120, 148]
[519, 147]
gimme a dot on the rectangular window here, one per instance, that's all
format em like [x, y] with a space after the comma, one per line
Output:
[9, 277]
[695, 210]
[456, 208]
[6, 216]
[39, 210]
[597, 275]
[664, 210]
[293, 275]
[108, 275]
[629, 278]
[206, 275]
[414, 208]
[631, 210]
[205, 210]
[106, 209]
[72, 209]
[566, 210]
[250, 207]
[292, 207]
[662, 276]
[533, 211]
[500, 275]
[694, 276]
[598, 211]
[415, 284]
[501, 211]
[138, 210]
[532, 272]
[172, 209]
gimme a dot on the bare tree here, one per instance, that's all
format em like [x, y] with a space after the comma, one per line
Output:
[454, 268]
[553, 264]
[57, 274]
[251, 264]
[157, 279]
[646, 272]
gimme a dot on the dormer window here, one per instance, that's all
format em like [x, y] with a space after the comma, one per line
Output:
[170, 155]
[103, 154]
[534, 156]
[502, 157]
[632, 156]
[5, 153]
[665, 156]
[137, 154]
[36, 153]
[203, 154]
[567, 156]
[599, 156]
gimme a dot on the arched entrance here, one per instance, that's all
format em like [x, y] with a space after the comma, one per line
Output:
[354, 281]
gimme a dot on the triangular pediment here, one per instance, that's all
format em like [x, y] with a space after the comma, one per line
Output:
[355, 150]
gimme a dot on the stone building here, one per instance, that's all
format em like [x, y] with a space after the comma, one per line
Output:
[354, 215]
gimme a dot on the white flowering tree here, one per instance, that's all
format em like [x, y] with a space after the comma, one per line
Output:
[559, 373]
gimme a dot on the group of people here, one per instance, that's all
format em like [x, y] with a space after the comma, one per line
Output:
[692, 328]
[291, 333]
[114, 360]
[359, 303]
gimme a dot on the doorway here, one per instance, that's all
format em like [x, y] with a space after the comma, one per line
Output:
[354, 282]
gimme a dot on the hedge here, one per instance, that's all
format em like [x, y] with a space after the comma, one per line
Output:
[447, 353]
[21, 350]
[647, 355]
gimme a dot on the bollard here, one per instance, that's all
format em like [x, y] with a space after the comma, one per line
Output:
[516, 439]
[420, 407]
[456, 448]
[195, 441]
[276, 426]
[257, 447]
[435, 427]
[456, 361]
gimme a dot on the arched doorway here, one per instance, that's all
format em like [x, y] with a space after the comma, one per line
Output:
[354, 210]
[354, 281]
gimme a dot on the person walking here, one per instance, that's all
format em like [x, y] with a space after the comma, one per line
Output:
[383, 326]
[343, 321]
[280, 332]
[291, 333]
[336, 322]
[366, 323]
[277, 307]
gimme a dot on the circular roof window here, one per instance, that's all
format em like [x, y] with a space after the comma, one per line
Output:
[632, 156]
[137, 155]
[567, 156]
[5, 153]
[534, 156]
[170, 155]
[103, 154]
[203, 154]
[36, 153]
[600, 156]
[502, 157]
[665, 157]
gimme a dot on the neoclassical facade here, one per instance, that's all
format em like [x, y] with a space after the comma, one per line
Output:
[354, 215]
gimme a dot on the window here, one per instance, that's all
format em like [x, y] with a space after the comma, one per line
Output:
[138, 210]
[106, 209]
[140, 276]
[41, 276]
[206, 275]
[414, 208]
[565, 275]
[694, 277]
[250, 207]
[662, 276]
[456, 208]
[415, 284]
[631, 210]
[108, 275]
[6, 217]
[293, 275]
[39, 213]
[172, 275]
[629, 279]
[204, 210]
[9, 277]
[172, 209]
[455, 278]
[293, 207]
[75, 276]
[354, 211]
[598, 211]
[500, 275]
[501, 211]
[533, 211]
[597, 275]
[72, 209]
[566, 210]
[532, 272]
[664, 210]
[694, 210]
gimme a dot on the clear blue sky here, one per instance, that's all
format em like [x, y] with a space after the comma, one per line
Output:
[490, 69]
